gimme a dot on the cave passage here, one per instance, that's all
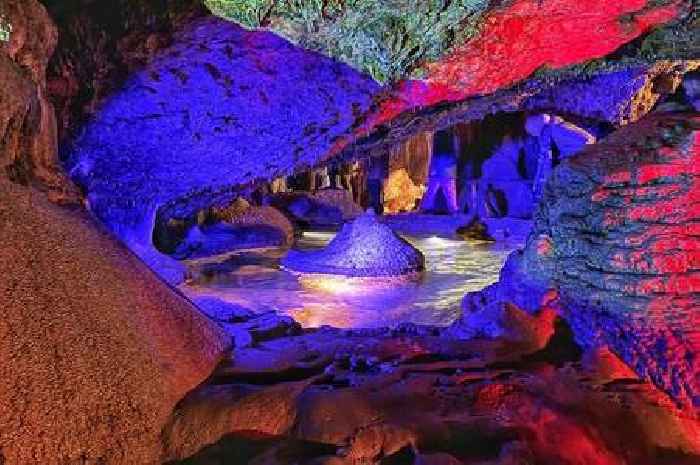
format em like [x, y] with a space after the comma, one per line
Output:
[349, 232]
[463, 196]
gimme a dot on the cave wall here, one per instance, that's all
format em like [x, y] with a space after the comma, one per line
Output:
[223, 107]
[27, 120]
[99, 47]
[95, 350]
[220, 108]
[615, 245]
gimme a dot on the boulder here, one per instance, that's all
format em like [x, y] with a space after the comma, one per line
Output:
[238, 227]
[363, 248]
[95, 350]
[475, 230]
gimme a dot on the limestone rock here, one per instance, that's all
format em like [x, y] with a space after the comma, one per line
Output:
[97, 50]
[401, 194]
[27, 119]
[256, 227]
[95, 351]
[615, 239]
[691, 86]
[363, 248]
[323, 208]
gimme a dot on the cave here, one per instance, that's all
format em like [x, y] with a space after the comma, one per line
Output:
[349, 233]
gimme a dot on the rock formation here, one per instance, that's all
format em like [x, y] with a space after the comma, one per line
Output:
[95, 350]
[363, 248]
[27, 118]
[196, 154]
[98, 48]
[320, 209]
[614, 239]
[691, 86]
[400, 194]
[352, 397]
[102, 363]
[254, 227]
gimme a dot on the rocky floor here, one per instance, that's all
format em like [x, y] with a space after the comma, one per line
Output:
[413, 396]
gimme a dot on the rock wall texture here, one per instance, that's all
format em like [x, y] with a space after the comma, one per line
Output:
[617, 96]
[196, 123]
[99, 47]
[95, 350]
[616, 240]
[28, 151]
[220, 108]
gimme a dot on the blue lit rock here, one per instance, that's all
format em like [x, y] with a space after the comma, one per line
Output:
[691, 86]
[363, 248]
[219, 109]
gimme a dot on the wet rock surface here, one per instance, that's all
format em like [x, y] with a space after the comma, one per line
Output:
[413, 396]
[363, 248]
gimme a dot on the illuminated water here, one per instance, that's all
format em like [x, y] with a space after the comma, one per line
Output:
[254, 280]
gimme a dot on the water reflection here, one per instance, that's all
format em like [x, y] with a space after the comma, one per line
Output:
[254, 280]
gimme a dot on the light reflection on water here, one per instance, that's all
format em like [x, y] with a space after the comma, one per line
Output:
[254, 280]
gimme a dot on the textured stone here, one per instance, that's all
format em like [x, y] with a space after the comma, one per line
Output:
[617, 96]
[196, 122]
[691, 87]
[28, 149]
[323, 208]
[400, 193]
[375, 397]
[95, 351]
[163, 143]
[363, 248]
[98, 48]
[253, 227]
[615, 238]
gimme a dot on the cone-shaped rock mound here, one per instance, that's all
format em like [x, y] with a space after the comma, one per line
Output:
[363, 248]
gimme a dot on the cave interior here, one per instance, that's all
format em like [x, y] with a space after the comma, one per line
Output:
[350, 232]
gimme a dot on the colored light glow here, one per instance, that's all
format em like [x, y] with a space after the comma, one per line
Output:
[442, 243]
[318, 235]
[330, 284]
[255, 281]
[343, 285]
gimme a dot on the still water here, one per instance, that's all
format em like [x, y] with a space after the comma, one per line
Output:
[254, 279]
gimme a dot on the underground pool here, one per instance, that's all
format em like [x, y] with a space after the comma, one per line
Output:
[255, 280]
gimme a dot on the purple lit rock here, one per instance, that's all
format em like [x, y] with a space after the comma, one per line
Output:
[619, 97]
[217, 110]
[691, 86]
[363, 248]
[328, 207]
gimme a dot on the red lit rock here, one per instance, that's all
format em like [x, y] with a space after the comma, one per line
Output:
[615, 236]
[527, 35]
